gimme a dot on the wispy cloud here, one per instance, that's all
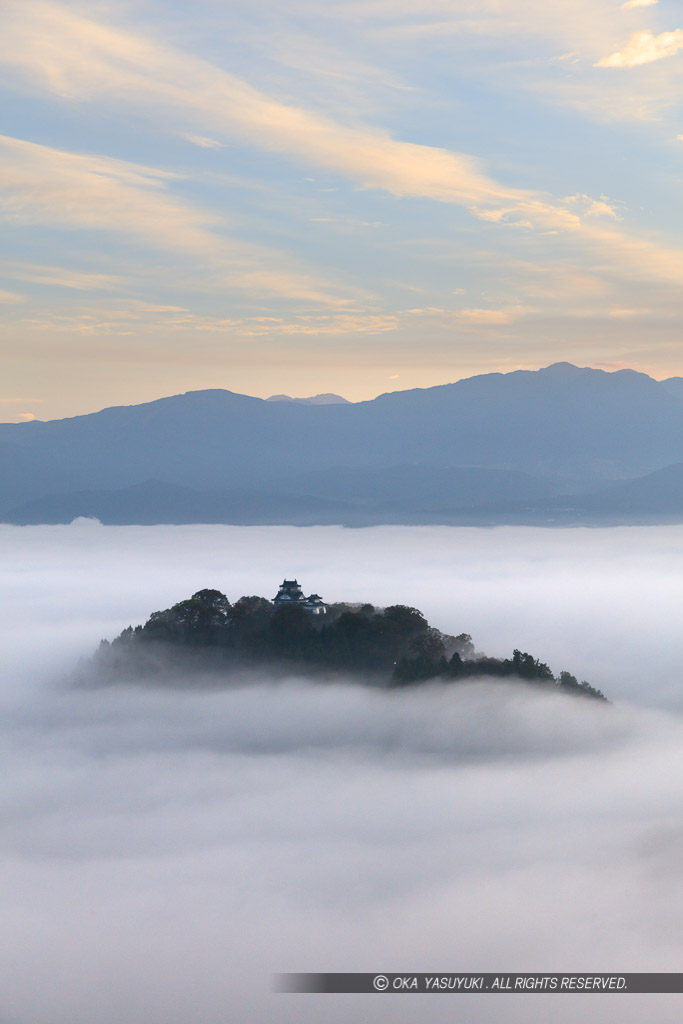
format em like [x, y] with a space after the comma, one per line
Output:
[487, 317]
[472, 317]
[141, 318]
[51, 186]
[576, 26]
[638, 3]
[151, 307]
[331, 77]
[203, 141]
[644, 48]
[43, 185]
[61, 277]
[80, 59]
[549, 48]
[356, 323]
[11, 298]
[622, 312]
[590, 207]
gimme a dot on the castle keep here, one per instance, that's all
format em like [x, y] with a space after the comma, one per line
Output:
[290, 592]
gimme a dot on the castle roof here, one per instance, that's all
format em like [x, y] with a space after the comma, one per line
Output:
[289, 591]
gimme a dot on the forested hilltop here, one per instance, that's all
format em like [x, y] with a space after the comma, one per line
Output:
[394, 646]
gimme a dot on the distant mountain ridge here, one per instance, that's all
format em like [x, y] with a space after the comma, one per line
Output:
[521, 446]
[326, 399]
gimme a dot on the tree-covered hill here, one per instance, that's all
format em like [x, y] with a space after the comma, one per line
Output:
[395, 645]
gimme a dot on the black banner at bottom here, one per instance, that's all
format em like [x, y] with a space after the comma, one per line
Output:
[475, 983]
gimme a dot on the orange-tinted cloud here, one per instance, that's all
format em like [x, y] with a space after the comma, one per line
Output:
[644, 48]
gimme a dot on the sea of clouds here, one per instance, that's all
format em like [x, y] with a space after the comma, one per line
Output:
[165, 851]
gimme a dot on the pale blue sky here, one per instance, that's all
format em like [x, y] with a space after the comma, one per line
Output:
[331, 195]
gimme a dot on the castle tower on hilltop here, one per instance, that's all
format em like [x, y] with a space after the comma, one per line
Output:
[314, 603]
[290, 592]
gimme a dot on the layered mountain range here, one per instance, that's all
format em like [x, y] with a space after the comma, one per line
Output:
[559, 445]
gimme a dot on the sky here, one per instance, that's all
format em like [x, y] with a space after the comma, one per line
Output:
[333, 195]
[165, 851]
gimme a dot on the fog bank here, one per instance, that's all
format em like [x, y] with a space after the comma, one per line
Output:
[165, 852]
